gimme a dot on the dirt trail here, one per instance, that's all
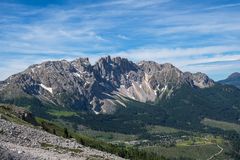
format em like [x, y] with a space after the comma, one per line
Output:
[216, 154]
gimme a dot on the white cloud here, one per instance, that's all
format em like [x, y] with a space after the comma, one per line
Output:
[197, 29]
[123, 37]
[163, 53]
[130, 4]
[223, 6]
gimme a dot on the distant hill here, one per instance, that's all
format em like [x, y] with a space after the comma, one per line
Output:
[233, 79]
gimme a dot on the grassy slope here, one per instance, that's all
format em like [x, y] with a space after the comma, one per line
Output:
[221, 124]
[194, 152]
[157, 129]
[60, 113]
[7, 113]
[108, 136]
[189, 106]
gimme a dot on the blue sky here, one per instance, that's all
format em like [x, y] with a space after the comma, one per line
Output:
[193, 35]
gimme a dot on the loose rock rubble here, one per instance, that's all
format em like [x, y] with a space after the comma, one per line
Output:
[19, 142]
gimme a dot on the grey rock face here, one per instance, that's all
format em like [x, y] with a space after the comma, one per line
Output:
[80, 85]
[114, 70]
[201, 80]
[6, 154]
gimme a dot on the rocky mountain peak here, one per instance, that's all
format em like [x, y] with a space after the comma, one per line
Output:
[161, 74]
[82, 64]
[201, 80]
[124, 64]
[114, 70]
[150, 66]
[117, 64]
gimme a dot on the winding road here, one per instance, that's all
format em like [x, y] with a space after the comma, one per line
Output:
[216, 154]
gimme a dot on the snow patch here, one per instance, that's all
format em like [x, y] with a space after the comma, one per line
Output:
[38, 66]
[33, 70]
[133, 97]
[122, 86]
[96, 112]
[49, 89]
[85, 63]
[164, 88]
[86, 83]
[108, 94]
[77, 75]
[121, 103]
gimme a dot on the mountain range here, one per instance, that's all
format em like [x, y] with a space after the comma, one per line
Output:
[95, 88]
[117, 87]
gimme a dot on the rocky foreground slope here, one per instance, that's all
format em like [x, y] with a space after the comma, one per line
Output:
[82, 86]
[20, 142]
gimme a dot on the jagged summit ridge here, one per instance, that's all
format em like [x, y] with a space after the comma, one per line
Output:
[80, 85]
